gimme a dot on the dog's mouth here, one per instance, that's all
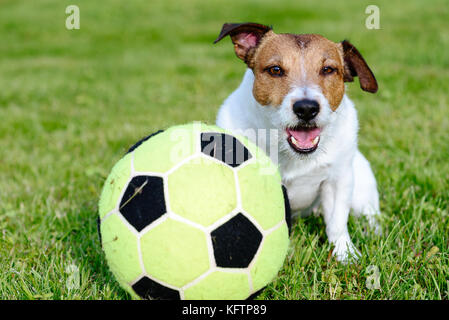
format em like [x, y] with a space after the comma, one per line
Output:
[303, 139]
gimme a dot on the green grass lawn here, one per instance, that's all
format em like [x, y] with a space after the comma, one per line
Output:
[72, 102]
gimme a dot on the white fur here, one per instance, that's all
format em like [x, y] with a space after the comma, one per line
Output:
[336, 175]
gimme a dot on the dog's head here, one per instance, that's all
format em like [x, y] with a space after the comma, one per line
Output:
[300, 75]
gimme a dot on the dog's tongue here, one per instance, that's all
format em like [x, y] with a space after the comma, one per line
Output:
[304, 137]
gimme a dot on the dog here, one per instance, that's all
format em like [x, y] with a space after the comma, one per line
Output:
[295, 84]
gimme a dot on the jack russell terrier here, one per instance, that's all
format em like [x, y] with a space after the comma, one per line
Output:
[295, 84]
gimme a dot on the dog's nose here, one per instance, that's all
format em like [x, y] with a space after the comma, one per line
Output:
[306, 109]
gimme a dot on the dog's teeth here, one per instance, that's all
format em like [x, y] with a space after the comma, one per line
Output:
[315, 141]
[294, 141]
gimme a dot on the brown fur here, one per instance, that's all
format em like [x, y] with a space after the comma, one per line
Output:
[302, 57]
[357, 66]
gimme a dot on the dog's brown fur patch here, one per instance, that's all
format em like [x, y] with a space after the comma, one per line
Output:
[302, 57]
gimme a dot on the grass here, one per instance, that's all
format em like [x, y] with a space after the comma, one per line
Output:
[72, 102]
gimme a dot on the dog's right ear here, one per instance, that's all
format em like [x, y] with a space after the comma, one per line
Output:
[244, 36]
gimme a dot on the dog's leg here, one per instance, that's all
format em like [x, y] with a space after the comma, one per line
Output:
[365, 198]
[336, 200]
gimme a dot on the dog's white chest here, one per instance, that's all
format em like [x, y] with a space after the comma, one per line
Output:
[303, 190]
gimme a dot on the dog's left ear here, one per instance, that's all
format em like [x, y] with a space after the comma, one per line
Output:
[355, 65]
[244, 36]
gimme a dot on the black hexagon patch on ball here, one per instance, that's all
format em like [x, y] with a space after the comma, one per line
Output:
[143, 201]
[149, 289]
[225, 148]
[236, 242]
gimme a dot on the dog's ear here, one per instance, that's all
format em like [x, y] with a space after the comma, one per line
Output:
[355, 65]
[244, 36]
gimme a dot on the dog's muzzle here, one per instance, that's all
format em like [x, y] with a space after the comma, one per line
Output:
[305, 136]
[303, 139]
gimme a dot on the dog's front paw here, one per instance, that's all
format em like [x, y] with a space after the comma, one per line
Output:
[345, 251]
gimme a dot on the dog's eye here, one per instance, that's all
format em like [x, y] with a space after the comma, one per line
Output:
[327, 70]
[275, 71]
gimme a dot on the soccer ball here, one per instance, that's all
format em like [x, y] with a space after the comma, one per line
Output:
[194, 212]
